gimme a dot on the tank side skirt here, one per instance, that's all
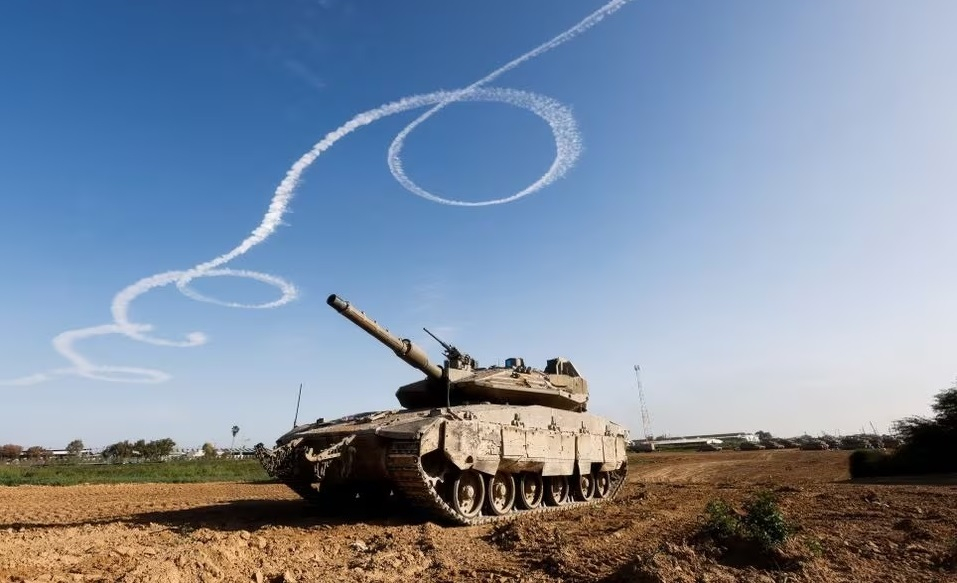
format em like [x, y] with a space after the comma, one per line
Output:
[489, 447]
[405, 468]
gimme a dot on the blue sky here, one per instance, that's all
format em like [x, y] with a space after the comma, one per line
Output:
[761, 215]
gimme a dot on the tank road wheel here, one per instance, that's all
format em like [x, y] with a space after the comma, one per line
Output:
[602, 484]
[530, 490]
[556, 492]
[468, 493]
[584, 486]
[501, 493]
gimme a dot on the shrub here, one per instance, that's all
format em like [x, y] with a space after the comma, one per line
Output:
[722, 523]
[815, 547]
[762, 524]
[866, 463]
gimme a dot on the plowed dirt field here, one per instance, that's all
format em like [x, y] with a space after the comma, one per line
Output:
[244, 532]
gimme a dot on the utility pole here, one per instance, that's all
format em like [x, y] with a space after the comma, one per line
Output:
[645, 417]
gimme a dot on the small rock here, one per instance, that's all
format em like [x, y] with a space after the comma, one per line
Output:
[244, 535]
[261, 543]
[258, 577]
[360, 546]
[915, 548]
[287, 577]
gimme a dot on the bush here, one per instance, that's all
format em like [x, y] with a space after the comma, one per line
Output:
[762, 524]
[722, 522]
[866, 463]
[929, 444]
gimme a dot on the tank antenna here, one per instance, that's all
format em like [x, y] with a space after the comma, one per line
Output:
[296, 420]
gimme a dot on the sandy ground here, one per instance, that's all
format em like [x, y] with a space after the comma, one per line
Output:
[243, 532]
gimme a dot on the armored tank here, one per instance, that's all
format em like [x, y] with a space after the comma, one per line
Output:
[470, 445]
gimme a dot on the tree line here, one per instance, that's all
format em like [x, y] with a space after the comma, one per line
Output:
[929, 444]
[122, 449]
[140, 448]
[12, 451]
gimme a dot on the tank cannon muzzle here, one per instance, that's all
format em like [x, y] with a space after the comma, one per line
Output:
[403, 347]
[336, 302]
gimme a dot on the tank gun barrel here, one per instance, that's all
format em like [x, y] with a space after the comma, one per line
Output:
[403, 347]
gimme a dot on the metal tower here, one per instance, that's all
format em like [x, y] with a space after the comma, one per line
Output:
[645, 417]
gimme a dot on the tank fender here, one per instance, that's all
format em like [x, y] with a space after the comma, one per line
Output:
[430, 438]
[473, 444]
[406, 430]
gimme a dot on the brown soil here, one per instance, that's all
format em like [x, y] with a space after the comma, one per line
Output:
[243, 532]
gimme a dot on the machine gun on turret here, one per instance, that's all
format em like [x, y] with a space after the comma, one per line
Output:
[454, 357]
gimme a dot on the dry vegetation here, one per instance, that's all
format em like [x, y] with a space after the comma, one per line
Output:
[654, 532]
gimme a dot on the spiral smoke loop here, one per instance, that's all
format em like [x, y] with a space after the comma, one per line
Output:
[556, 115]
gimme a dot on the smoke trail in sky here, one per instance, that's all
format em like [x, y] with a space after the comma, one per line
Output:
[556, 115]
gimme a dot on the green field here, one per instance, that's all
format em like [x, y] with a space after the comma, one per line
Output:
[186, 471]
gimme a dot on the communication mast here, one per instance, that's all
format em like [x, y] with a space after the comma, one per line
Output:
[645, 417]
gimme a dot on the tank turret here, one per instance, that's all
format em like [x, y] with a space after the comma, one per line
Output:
[461, 381]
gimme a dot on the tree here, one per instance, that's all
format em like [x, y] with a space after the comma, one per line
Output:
[10, 451]
[921, 430]
[120, 450]
[235, 430]
[945, 406]
[209, 450]
[37, 452]
[162, 447]
[928, 443]
[763, 435]
[75, 447]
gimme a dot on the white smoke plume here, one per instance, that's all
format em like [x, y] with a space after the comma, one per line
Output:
[556, 115]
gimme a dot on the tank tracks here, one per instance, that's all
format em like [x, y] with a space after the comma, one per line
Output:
[409, 478]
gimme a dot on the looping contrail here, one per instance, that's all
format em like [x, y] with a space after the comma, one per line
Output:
[567, 149]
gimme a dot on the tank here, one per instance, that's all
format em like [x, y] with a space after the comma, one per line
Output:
[469, 445]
